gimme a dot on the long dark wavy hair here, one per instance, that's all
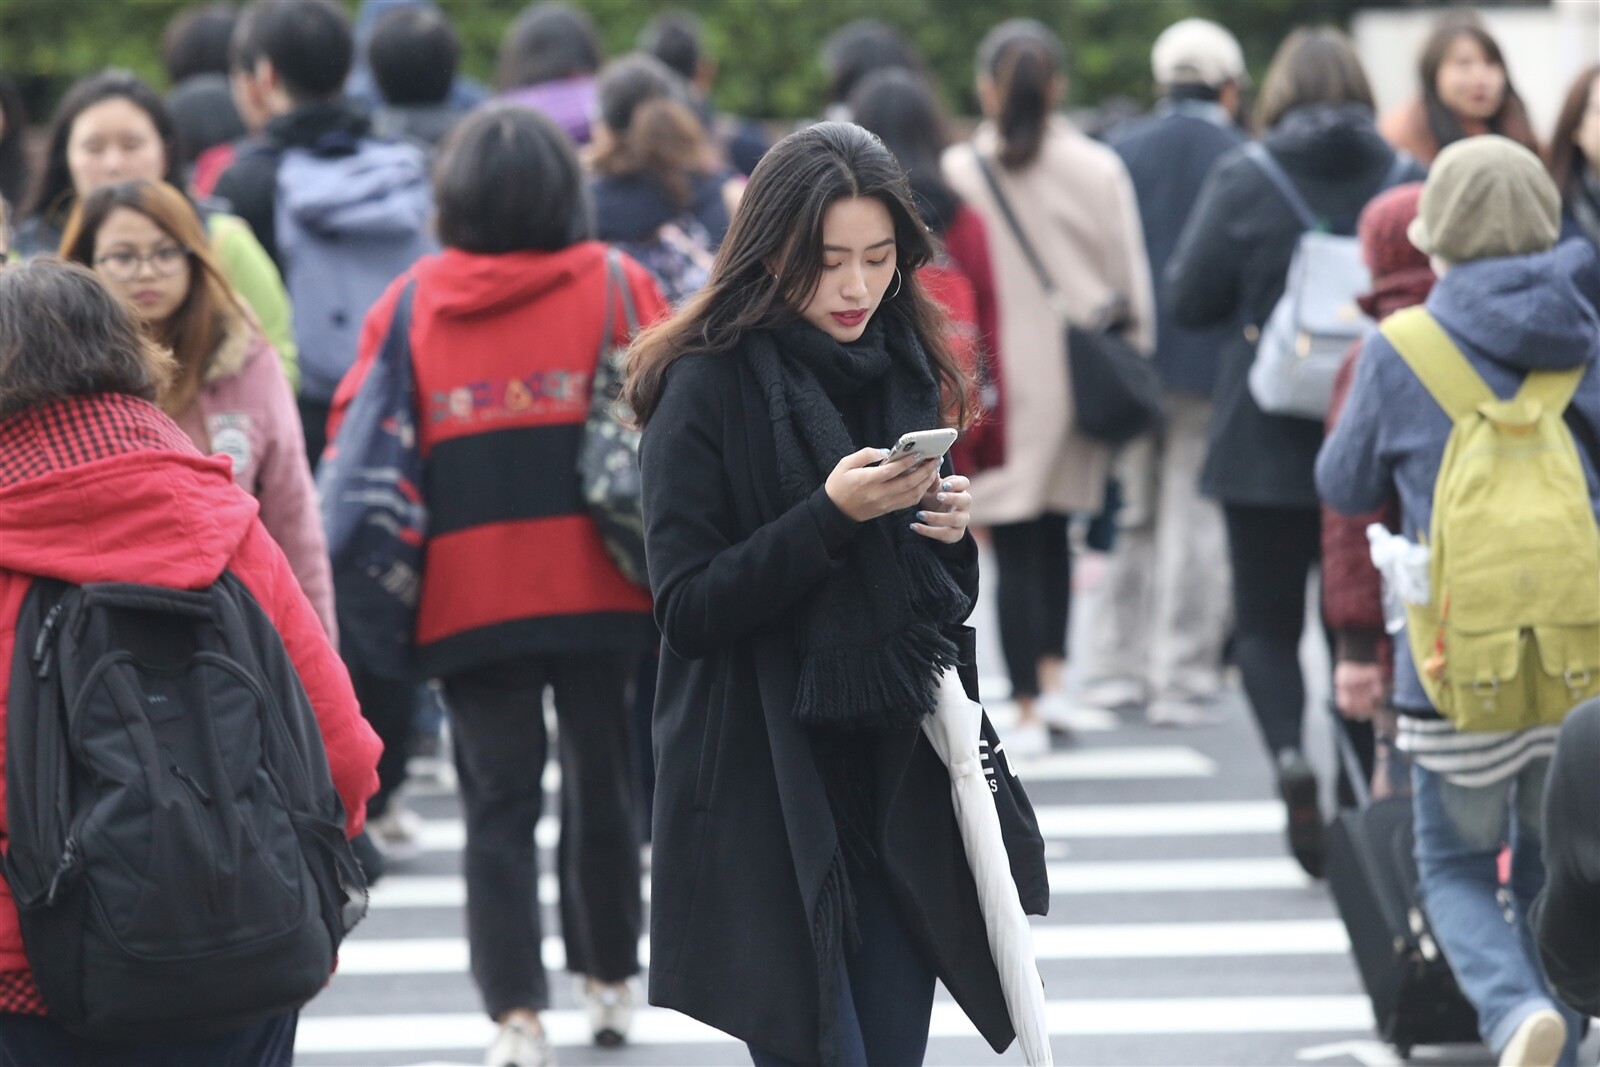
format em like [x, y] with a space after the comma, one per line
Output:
[771, 262]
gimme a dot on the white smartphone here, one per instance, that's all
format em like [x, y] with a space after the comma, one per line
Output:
[929, 444]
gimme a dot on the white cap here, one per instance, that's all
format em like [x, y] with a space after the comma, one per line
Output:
[1198, 51]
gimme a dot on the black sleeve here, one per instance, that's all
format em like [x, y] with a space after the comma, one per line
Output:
[1566, 917]
[713, 588]
[250, 186]
[1202, 278]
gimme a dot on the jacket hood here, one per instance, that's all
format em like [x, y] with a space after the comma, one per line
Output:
[464, 284]
[1522, 311]
[1329, 139]
[157, 517]
[380, 191]
[632, 208]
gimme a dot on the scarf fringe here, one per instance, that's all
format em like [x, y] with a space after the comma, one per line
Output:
[892, 682]
[933, 592]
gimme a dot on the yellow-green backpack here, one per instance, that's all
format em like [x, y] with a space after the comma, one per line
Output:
[1510, 637]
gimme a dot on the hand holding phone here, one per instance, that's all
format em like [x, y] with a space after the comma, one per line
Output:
[866, 484]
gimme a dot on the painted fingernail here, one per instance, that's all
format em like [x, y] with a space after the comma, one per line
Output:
[941, 497]
[885, 451]
[945, 486]
[922, 516]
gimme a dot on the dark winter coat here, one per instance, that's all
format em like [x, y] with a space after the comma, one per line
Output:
[1168, 155]
[743, 833]
[633, 207]
[251, 183]
[1230, 267]
[1566, 917]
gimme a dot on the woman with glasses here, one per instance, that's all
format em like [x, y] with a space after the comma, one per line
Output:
[229, 394]
[112, 127]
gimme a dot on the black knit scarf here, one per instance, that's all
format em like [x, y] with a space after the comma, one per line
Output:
[871, 650]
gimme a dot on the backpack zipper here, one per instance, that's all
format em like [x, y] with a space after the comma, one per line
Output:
[68, 862]
[43, 649]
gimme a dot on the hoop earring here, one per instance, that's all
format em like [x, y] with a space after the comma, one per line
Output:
[897, 284]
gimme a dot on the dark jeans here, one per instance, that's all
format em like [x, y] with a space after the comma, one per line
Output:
[1034, 562]
[34, 1041]
[497, 713]
[390, 708]
[314, 426]
[887, 1001]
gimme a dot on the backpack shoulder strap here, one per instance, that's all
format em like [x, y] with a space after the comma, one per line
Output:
[618, 278]
[1257, 153]
[1553, 389]
[1436, 361]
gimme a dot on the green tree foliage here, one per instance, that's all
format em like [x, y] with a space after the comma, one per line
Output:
[767, 48]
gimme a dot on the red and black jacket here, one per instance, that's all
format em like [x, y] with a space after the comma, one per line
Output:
[504, 349]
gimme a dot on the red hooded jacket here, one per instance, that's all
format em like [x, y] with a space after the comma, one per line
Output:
[504, 348]
[108, 489]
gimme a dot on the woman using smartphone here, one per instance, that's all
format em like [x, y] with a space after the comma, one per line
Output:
[809, 882]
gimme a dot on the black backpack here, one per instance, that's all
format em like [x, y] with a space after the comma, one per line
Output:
[176, 849]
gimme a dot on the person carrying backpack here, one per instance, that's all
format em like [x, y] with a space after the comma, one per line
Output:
[177, 874]
[659, 194]
[1232, 266]
[1481, 410]
[340, 212]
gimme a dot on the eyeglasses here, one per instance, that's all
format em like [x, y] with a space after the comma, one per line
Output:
[166, 261]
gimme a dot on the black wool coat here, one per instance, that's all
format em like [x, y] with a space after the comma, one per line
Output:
[1231, 266]
[743, 833]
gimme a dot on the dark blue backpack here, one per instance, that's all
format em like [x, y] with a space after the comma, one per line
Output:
[370, 485]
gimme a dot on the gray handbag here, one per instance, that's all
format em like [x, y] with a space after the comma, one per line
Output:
[1304, 341]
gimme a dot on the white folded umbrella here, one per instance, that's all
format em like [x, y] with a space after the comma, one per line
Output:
[955, 729]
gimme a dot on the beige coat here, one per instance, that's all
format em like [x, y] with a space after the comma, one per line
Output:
[1077, 205]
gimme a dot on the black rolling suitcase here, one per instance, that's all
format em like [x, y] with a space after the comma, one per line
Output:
[1373, 875]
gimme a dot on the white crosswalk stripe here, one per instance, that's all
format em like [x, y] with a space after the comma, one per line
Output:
[1061, 821]
[448, 955]
[1066, 879]
[1176, 1015]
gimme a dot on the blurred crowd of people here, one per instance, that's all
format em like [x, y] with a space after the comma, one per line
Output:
[309, 193]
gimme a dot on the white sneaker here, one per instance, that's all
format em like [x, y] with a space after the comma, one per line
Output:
[1537, 1042]
[1026, 739]
[1112, 694]
[396, 831]
[1184, 713]
[610, 1008]
[519, 1045]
